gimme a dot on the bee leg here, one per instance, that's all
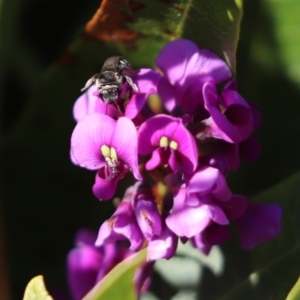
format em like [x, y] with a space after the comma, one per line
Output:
[131, 83]
[89, 82]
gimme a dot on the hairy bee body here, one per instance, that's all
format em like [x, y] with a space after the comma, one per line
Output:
[110, 81]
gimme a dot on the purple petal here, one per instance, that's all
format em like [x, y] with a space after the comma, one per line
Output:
[217, 214]
[209, 67]
[142, 278]
[122, 225]
[83, 266]
[106, 233]
[213, 235]
[167, 93]
[217, 234]
[203, 180]
[131, 231]
[210, 181]
[200, 241]
[87, 138]
[258, 224]
[187, 148]
[185, 220]
[85, 104]
[126, 225]
[151, 132]
[104, 189]
[107, 109]
[235, 124]
[155, 160]
[172, 128]
[162, 246]
[189, 221]
[235, 207]
[146, 81]
[148, 218]
[174, 57]
[135, 104]
[125, 142]
[221, 190]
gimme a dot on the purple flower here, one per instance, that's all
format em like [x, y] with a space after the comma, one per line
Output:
[231, 116]
[258, 224]
[146, 212]
[187, 68]
[214, 234]
[100, 143]
[206, 183]
[162, 246]
[187, 221]
[83, 266]
[87, 265]
[122, 225]
[170, 144]
[90, 101]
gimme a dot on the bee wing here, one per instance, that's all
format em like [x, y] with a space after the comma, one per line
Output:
[131, 83]
[89, 82]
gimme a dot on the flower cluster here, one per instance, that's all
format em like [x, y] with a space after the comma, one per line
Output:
[180, 158]
[88, 264]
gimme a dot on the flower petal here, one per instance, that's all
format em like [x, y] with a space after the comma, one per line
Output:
[89, 135]
[258, 224]
[162, 246]
[83, 266]
[124, 140]
[174, 57]
[135, 104]
[167, 93]
[185, 220]
[104, 189]
[148, 217]
[146, 81]
[155, 160]
[85, 104]
[209, 67]
[203, 180]
[233, 125]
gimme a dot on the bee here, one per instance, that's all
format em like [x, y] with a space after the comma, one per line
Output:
[109, 82]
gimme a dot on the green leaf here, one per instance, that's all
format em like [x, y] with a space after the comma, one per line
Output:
[285, 23]
[36, 290]
[118, 283]
[294, 294]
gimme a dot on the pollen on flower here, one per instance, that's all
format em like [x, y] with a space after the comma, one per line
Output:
[164, 142]
[113, 154]
[105, 151]
[145, 216]
[110, 222]
[109, 153]
[173, 145]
